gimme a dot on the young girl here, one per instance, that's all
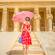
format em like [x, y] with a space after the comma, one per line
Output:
[26, 38]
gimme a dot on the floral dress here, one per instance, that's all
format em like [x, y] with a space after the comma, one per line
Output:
[26, 38]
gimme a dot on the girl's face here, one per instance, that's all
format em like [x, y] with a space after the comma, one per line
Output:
[27, 19]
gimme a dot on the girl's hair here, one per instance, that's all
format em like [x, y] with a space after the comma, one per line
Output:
[27, 19]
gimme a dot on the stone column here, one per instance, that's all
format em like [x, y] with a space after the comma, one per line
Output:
[49, 17]
[4, 20]
[16, 24]
[37, 20]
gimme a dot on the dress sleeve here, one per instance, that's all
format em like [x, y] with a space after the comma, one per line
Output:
[24, 27]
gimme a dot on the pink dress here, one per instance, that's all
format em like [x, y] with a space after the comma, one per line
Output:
[26, 38]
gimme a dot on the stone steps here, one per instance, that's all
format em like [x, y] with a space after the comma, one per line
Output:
[48, 40]
[36, 53]
[34, 49]
[20, 52]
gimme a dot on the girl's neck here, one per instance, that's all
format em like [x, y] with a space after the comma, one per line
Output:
[26, 22]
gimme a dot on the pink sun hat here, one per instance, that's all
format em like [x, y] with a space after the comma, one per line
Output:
[20, 16]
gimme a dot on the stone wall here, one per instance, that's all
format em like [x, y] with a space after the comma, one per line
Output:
[23, 0]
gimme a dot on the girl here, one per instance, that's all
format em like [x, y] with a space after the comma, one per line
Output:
[26, 38]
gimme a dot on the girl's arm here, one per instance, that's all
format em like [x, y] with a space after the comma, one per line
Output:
[30, 28]
[22, 28]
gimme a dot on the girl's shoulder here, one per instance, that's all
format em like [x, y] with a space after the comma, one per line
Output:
[26, 24]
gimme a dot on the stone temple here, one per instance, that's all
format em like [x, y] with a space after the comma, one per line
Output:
[42, 32]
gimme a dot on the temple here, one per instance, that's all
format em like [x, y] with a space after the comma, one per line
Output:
[43, 26]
